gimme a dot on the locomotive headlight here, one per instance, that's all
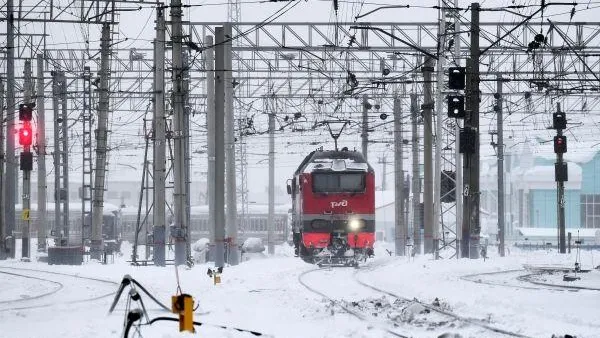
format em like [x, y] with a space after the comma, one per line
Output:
[355, 224]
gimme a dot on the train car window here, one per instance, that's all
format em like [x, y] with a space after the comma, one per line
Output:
[338, 182]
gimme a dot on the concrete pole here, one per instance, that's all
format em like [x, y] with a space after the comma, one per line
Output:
[101, 144]
[365, 126]
[64, 154]
[416, 176]
[232, 226]
[560, 198]
[209, 59]
[401, 226]
[10, 188]
[25, 231]
[383, 162]
[2, 220]
[427, 160]
[178, 232]
[271, 220]
[500, 154]
[159, 151]
[219, 146]
[41, 150]
[56, 154]
[473, 122]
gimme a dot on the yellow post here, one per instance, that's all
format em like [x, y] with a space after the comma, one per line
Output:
[183, 305]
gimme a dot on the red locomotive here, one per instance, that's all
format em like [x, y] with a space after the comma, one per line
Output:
[333, 208]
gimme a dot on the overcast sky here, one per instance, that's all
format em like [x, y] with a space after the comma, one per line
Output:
[136, 29]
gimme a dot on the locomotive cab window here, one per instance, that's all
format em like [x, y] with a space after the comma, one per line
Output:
[338, 182]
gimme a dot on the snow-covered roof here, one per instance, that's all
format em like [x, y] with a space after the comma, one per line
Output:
[542, 177]
[583, 153]
[551, 232]
[335, 165]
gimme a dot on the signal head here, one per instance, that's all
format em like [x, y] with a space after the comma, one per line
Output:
[26, 111]
[25, 134]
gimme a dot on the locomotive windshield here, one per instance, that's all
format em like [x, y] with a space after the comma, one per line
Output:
[338, 182]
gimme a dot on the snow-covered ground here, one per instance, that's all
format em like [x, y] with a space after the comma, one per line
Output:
[281, 296]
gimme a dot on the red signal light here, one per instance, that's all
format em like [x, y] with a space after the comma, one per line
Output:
[25, 135]
[560, 144]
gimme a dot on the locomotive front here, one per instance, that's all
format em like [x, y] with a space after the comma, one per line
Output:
[333, 196]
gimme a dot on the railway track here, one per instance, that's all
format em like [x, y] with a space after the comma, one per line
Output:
[436, 309]
[528, 278]
[362, 317]
[45, 299]
[58, 287]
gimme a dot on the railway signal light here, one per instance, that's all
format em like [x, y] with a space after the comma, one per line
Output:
[26, 162]
[26, 111]
[456, 78]
[468, 141]
[560, 144]
[559, 121]
[456, 106]
[25, 134]
[561, 172]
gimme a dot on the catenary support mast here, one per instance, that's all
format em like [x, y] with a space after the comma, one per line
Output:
[10, 187]
[178, 231]
[401, 226]
[232, 226]
[101, 143]
[427, 158]
[159, 151]
[219, 146]
[416, 176]
[500, 154]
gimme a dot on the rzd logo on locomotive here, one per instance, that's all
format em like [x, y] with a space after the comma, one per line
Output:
[342, 203]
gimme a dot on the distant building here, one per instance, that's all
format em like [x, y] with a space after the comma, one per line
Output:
[531, 195]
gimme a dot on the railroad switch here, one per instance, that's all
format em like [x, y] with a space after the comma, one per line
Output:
[183, 305]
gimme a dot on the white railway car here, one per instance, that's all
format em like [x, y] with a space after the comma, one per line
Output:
[111, 225]
[252, 224]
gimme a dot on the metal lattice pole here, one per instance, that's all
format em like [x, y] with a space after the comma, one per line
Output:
[87, 151]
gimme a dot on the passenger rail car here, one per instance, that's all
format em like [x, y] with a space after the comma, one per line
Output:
[111, 227]
[253, 224]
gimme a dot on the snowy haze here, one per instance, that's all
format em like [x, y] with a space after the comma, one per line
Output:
[281, 296]
[136, 30]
